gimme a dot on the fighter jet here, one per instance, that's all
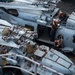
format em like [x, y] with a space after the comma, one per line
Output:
[29, 57]
[28, 12]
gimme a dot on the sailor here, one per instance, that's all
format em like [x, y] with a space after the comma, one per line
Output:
[6, 32]
[30, 50]
[30, 53]
[58, 43]
[55, 24]
[62, 15]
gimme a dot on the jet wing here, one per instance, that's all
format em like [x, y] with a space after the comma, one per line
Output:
[5, 23]
[25, 1]
[22, 6]
[10, 43]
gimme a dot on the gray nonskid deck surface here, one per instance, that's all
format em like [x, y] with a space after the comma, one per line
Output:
[67, 7]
